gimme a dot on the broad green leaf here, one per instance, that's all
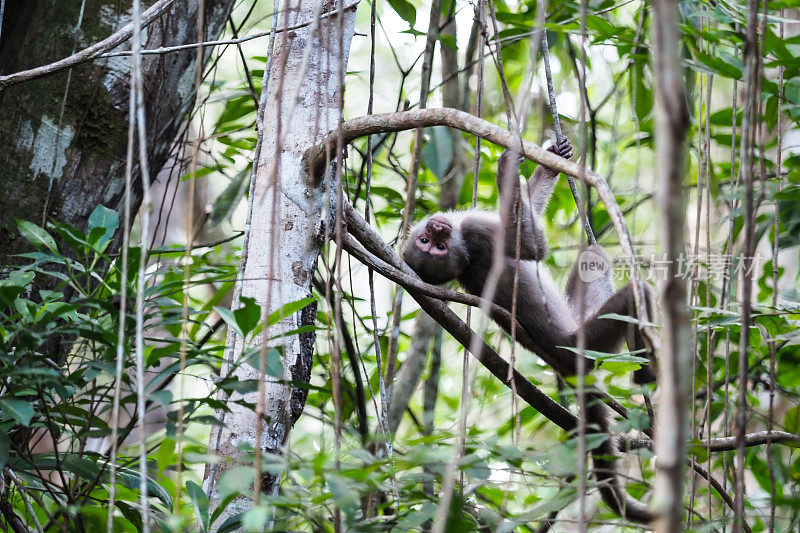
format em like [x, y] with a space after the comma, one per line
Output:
[223, 504]
[227, 315]
[237, 480]
[791, 421]
[200, 503]
[19, 410]
[11, 288]
[131, 478]
[437, 153]
[406, 10]
[273, 360]
[106, 219]
[344, 492]
[248, 315]
[36, 235]
[724, 65]
[255, 518]
[288, 309]
[244, 319]
[555, 503]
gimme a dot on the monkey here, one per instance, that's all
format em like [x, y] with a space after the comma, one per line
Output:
[459, 245]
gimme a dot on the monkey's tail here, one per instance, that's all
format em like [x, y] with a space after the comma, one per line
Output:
[609, 483]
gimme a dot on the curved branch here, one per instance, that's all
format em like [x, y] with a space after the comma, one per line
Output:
[725, 444]
[603, 456]
[410, 281]
[435, 307]
[454, 118]
[87, 54]
[720, 490]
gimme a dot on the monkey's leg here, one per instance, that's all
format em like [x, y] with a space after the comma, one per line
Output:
[590, 274]
[606, 334]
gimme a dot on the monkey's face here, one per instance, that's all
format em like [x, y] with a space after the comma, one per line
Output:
[435, 251]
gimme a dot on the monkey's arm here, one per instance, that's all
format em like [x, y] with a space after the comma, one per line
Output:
[533, 244]
[544, 179]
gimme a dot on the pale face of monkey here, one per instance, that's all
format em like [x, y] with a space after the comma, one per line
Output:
[435, 250]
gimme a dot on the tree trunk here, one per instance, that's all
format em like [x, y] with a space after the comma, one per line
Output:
[284, 235]
[672, 121]
[64, 136]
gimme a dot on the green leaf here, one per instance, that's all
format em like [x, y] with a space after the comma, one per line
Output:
[130, 513]
[227, 315]
[273, 360]
[555, 503]
[344, 492]
[36, 236]
[791, 421]
[15, 285]
[437, 153]
[406, 10]
[200, 503]
[255, 518]
[723, 64]
[237, 480]
[103, 223]
[244, 319]
[224, 502]
[624, 318]
[248, 315]
[103, 217]
[642, 95]
[131, 478]
[288, 309]
[19, 410]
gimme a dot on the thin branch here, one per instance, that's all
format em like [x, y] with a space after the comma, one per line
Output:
[724, 444]
[412, 282]
[236, 40]
[92, 52]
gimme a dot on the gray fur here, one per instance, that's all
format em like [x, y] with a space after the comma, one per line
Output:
[550, 319]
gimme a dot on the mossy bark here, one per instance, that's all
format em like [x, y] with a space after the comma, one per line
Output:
[64, 136]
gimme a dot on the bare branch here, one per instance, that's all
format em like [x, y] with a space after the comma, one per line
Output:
[435, 307]
[87, 54]
[237, 40]
[454, 118]
[725, 444]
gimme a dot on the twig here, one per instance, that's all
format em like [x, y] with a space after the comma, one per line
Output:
[92, 52]
[24, 496]
[551, 97]
[725, 444]
[224, 42]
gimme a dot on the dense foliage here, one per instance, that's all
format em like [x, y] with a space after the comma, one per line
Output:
[517, 468]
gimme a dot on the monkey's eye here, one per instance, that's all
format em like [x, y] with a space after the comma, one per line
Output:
[440, 246]
[423, 240]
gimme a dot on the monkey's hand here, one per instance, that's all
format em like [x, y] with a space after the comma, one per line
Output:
[563, 149]
[508, 170]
